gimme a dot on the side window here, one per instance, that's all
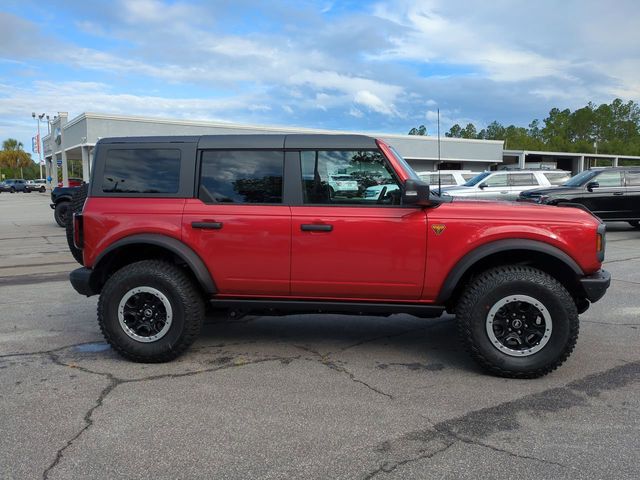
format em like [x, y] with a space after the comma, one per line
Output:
[496, 180]
[142, 170]
[609, 179]
[522, 179]
[241, 176]
[557, 178]
[348, 178]
[633, 178]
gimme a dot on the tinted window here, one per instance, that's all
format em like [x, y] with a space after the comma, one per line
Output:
[348, 177]
[522, 179]
[142, 170]
[237, 176]
[557, 178]
[633, 178]
[609, 179]
[497, 180]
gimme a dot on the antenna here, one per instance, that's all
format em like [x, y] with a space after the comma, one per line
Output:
[439, 179]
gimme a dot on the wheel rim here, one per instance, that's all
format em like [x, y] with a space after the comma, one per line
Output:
[145, 314]
[519, 325]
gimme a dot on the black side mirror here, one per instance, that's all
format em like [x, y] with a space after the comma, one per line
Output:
[415, 192]
[482, 186]
[592, 185]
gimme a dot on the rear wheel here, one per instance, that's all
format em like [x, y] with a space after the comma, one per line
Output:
[60, 213]
[42, 189]
[517, 322]
[635, 223]
[150, 311]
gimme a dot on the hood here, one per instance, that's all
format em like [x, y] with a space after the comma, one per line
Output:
[559, 190]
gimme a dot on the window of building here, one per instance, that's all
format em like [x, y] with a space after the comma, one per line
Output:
[241, 176]
[348, 177]
[142, 170]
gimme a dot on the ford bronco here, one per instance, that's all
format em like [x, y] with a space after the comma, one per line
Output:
[252, 223]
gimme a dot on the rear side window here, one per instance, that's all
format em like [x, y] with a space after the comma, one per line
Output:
[142, 170]
[557, 178]
[633, 178]
[241, 176]
[522, 179]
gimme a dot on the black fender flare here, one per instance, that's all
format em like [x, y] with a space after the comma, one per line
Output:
[483, 251]
[175, 246]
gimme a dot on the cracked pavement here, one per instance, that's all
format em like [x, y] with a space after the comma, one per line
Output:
[305, 396]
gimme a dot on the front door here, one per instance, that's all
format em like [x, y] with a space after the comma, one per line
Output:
[238, 224]
[351, 244]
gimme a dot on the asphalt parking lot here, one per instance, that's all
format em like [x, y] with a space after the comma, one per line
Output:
[305, 396]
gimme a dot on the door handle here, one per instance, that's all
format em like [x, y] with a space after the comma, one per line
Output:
[314, 227]
[207, 225]
[618, 193]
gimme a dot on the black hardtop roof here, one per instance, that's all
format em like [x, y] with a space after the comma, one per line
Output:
[241, 141]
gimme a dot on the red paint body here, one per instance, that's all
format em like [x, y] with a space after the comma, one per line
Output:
[372, 254]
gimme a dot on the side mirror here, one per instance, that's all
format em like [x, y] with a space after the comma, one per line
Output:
[482, 186]
[592, 185]
[415, 192]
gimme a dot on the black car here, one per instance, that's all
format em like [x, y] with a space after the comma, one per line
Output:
[613, 194]
[13, 185]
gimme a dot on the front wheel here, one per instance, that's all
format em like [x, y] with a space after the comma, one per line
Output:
[60, 213]
[150, 311]
[42, 189]
[517, 322]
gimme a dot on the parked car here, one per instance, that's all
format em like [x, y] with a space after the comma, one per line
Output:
[507, 184]
[446, 178]
[343, 185]
[13, 185]
[60, 203]
[226, 220]
[73, 182]
[612, 194]
[38, 185]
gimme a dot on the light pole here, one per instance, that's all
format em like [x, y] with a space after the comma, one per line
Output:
[39, 118]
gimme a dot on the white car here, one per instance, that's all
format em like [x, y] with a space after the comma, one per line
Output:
[507, 184]
[343, 185]
[38, 185]
[373, 193]
[447, 177]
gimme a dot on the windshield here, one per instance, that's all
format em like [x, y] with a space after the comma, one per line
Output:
[580, 179]
[477, 179]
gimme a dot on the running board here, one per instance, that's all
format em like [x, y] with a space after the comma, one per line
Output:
[289, 307]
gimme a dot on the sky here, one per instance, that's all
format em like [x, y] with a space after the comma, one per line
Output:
[380, 66]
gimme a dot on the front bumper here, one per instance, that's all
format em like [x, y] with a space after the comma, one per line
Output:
[81, 281]
[595, 286]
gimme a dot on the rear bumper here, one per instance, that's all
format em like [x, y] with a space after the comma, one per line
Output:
[596, 285]
[80, 280]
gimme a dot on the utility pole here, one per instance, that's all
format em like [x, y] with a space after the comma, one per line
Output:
[39, 118]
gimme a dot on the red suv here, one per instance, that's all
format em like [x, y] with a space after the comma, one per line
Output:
[253, 223]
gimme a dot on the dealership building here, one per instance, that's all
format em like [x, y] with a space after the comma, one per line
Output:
[69, 145]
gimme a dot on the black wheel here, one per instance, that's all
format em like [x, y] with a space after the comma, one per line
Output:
[150, 311]
[42, 189]
[12, 190]
[60, 213]
[635, 223]
[77, 202]
[517, 322]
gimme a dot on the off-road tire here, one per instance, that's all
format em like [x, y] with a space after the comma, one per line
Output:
[77, 202]
[486, 289]
[635, 223]
[186, 302]
[60, 213]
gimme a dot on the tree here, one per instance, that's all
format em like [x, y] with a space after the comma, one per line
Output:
[421, 130]
[454, 132]
[469, 131]
[13, 157]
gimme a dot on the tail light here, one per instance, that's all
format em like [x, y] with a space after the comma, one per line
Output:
[601, 241]
[78, 234]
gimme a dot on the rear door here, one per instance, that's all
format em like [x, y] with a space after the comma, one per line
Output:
[519, 182]
[352, 246]
[238, 223]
